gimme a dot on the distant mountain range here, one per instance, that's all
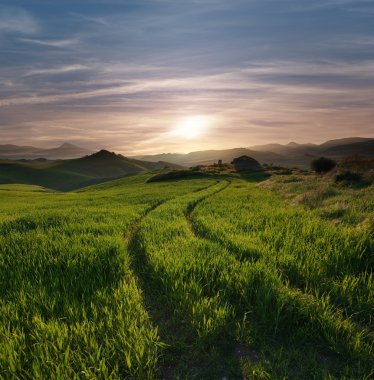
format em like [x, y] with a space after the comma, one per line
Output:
[106, 164]
[205, 157]
[295, 149]
[65, 151]
[75, 173]
[292, 154]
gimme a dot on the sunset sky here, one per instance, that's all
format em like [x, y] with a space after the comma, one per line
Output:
[152, 76]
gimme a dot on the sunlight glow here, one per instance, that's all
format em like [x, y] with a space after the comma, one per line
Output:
[191, 127]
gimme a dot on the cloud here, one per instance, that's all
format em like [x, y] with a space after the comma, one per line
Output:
[277, 77]
[56, 70]
[95, 20]
[265, 71]
[17, 20]
[113, 87]
[319, 5]
[52, 43]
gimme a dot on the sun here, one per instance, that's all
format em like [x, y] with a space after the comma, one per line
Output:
[191, 127]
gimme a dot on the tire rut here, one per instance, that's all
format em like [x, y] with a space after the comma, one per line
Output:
[239, 253]
[149, 281]
[296, 292]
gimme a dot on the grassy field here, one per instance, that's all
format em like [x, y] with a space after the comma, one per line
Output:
[219, 276]
[67, 175]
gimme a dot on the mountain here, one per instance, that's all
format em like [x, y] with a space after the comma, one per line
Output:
[292, 154]
[205, 157]
[300, 155]
[101, 164]
[65, 151]
[71, 174]
[10, 151]
[345, 141]
[106, 164]
[291, 149]
[365, 148]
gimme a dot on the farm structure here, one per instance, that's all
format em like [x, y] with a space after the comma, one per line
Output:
[245, 163]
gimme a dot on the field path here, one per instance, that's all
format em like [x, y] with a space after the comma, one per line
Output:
[130, 234]
[197, 289]
[241, 254]
[319, 310]
[149, 280]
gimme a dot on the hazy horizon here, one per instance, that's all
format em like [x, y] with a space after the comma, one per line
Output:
[51, 145]
[149, 77]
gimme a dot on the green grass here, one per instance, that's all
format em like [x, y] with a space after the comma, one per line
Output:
[67, 175]
[51, 177]
[206, 278]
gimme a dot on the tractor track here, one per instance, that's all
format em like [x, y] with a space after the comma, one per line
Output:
[243, 255]
[239, 253]
[148, 281]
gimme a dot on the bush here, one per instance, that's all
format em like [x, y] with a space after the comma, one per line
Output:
[348, 176]
[351, 179]
[322, 165]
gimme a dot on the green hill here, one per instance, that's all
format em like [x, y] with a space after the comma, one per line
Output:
[216, 277]
[71, 174]
[365, 148]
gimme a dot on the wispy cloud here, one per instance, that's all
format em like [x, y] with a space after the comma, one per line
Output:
[17, 20]
[318, 5]
[123, 72]
[259, 80]
[53, 43]
[56, 70]
[92, 19]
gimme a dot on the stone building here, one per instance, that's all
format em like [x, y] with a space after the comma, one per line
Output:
[246, 163]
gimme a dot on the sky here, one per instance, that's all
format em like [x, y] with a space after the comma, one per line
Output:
[152, 76]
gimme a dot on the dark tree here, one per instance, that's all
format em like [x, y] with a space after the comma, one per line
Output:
[322, 165]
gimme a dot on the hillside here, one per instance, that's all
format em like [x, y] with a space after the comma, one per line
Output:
[206, 157]
[70, 174]
[50, 176]
[214, 277]
[291, 149]
[291, 154]
[300, 155]
[365, 148]
[64, 151]
[296, 149]
[345, 141]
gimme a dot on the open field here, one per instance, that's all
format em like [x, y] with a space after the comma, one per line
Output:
[220, 276]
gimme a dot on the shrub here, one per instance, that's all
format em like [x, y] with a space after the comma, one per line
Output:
[348, 176]
[351, 179]
[322, 165]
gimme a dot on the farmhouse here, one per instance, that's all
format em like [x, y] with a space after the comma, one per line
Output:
[244, 163]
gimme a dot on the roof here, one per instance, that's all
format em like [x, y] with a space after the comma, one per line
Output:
[244, 159]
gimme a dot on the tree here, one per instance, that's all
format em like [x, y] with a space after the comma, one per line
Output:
[322, 165]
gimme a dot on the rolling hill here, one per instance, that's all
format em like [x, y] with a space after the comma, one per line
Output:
[290, 155]
[205, 157]
[71, 174]
[301, 154]
[365, 148]
[64, 151]
[107, 165]
[345, 141]
[217, 277]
